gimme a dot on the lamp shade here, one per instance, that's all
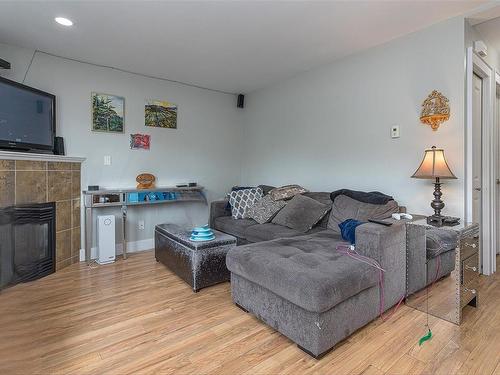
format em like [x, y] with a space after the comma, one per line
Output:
[433, 165]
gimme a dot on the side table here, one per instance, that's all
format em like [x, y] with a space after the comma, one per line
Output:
[455, 287]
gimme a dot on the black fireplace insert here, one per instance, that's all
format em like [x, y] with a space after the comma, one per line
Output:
[27, 242]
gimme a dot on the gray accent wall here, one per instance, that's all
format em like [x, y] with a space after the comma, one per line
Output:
[329, 128]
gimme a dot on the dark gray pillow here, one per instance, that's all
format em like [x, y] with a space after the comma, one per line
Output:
[344, 208]
[301, 213]
[266, 189]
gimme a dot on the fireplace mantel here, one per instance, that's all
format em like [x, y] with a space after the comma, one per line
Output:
[12, 155]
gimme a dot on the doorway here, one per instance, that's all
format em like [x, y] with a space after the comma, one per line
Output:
[497, 155]
[477, 125]
[481, 157]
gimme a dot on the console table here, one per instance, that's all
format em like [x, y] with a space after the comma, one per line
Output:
[124, 198]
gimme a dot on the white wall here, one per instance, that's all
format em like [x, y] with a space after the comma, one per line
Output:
[204, 148]
[330, 128]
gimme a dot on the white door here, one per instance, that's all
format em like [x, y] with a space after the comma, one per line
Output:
[497, 154]
[477, 110]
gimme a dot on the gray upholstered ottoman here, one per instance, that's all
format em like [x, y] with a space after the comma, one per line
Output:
[200, 264]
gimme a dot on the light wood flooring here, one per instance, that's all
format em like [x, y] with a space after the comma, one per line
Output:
[137, 317]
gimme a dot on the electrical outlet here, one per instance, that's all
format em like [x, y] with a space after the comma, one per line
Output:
[395, 131]
[107, 159]
[141, 225]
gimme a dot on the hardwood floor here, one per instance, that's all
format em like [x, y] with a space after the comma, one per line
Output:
[135, 316]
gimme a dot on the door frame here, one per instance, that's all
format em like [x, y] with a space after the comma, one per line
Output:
[496, 150]
[476, 65]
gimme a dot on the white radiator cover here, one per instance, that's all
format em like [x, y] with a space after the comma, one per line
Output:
[106, 239]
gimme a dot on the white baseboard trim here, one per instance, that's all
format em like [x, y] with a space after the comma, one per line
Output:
[132, 247]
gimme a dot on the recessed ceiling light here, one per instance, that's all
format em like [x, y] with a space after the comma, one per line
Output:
[64, 21]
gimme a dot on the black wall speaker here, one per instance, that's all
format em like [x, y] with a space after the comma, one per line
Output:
[241, 101]
[59, 146]
[4, 64]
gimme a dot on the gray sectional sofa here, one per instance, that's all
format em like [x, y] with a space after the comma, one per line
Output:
[299, 284]
[249, 231]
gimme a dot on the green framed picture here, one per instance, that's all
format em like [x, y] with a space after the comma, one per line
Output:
[108, 113]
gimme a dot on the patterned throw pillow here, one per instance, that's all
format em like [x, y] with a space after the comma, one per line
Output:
[286, 192]
[265, 209]
[241, 200]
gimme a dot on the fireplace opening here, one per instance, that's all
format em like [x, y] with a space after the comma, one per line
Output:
[27, 242]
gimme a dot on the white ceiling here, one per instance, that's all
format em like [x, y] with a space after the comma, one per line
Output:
[232, 46]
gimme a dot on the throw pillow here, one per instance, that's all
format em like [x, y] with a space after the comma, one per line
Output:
[241, 200]
[344, 208]
[266, 189]
[235, 188]
[265, 209]
[301, 213]
[286, 192]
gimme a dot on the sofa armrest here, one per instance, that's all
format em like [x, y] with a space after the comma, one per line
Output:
[387, 245]
[375, 240]
[217, 209]
[416, 261]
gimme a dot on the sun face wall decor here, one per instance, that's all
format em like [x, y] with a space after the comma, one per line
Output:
[435, 110]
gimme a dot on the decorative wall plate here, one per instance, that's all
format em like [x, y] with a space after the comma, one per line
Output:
[145, 181]
[435, 110]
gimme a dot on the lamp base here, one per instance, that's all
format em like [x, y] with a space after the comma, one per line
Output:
[440, 221]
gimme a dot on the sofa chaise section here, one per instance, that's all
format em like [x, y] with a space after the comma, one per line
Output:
[305, 289]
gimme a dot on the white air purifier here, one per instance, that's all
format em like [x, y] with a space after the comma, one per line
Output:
[106, 252]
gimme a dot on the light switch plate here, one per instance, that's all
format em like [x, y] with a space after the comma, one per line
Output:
[107, 159]
[395, 131]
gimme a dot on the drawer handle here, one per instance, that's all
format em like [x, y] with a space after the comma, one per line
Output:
[473, 245]
[470, 268]
[473, 291]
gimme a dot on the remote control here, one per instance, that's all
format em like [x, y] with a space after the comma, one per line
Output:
[381, 222]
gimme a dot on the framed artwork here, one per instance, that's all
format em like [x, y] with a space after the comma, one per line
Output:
[107, 113]
[160, 114]
[140, 141]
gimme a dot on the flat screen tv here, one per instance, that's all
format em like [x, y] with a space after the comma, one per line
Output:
[27, 117]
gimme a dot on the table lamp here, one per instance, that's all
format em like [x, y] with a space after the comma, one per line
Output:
[434, 166]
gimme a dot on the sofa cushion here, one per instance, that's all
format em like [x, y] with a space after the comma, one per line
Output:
[270, 231]
[322, 197]
[265, 209]
[301, 213]
[286, 192]
[305, 270]
[344, 208]
[236, 227]
[240, 200]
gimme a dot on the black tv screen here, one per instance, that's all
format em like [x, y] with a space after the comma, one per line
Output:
[27, 117]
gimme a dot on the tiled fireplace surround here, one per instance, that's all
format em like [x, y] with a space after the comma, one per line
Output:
[40, 181]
